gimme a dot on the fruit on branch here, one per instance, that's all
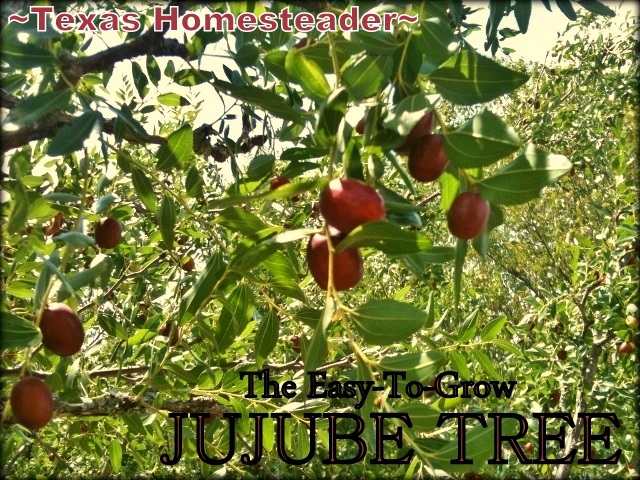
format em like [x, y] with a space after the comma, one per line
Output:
[108, 232]
[562, 355]
[31, 403]
[360, 126]
[347, 265]
[625, 348]
[173, 334]
[632, 322]
[188, 264]
[528, 447]
[468, 215]
[427, 160]
[555, 398]
[347, 203]
[279, 181]
[62, 330]
[420, 129]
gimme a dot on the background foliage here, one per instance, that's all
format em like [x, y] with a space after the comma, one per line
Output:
[117, 134]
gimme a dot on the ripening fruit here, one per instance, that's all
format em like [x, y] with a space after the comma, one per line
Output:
[555, 398]
[347, 203]
[62, 330]
[420, 129]
[347, 265]
[108, 232]
[427, 160]
[468, 215]
[278, 182]
[528, 447]
[632, 322]
[360, 126]
[562, 355]
[31, 403]
[625, 348]
[188, 264]
[165, 331]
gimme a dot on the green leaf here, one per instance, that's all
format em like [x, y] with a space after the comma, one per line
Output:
[247, 55]
[238, 220]
[203, 288]
[285, 277]
[33, 108]
[566, 8]
[25, 55]
[468, 78]
[492, 329]
[144, 189]
[178, 149]
[75, 239]
[469, 327]
[283, 192]
[153, 70]
[87, 277]
[308, 74]
[71, 138]
[377, 43]
[141, 336]
[19, 211]
[16, 332]
[234, 317]
[265, 99]
[524, 178]
[115, 455]
[167, 221]
[481, 141]
[297, 153]
[194, 183]
[461, 253]
[260, 166]
[406, 114]
[419, 367]
[189, 77]
[449, 186]
[522, 12]
[485, 363]
[20, 289]
[367, 75]
[386, 237]
[317, 349]
[267, 336]
[508, 346]
[597, 7]
[437, 42]
[274, 61]
[459, 363]
[173, 100]
[383, 322]
[423, 417]
[140, 80]
[331, 113]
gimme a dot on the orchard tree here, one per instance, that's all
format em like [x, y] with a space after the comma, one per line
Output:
[478, 217]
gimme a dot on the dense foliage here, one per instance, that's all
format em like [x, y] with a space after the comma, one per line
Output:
[208, 276]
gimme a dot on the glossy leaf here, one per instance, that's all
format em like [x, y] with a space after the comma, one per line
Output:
[366, 76]
[383, 322]
[173, 100]
[522, 12]
[203, 288]
[265, 99]
[308, 74]
[284, 276]
[178, 149]
[234, 317]
[419, 367]
[19, 209]
[266, 336]
[16, 332]
[87, 277]
[25, 55]
[386, 237]
[406, 114]
[317, 350]
[468, 78]
[468, 328]
[71, 138]
[332, 111]
[524, 178]
[144, 189]
[492, 329]
[481, 141]
[437, 42]
[377, 43]
[167, 221]
[193, 183]
[35, 107]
